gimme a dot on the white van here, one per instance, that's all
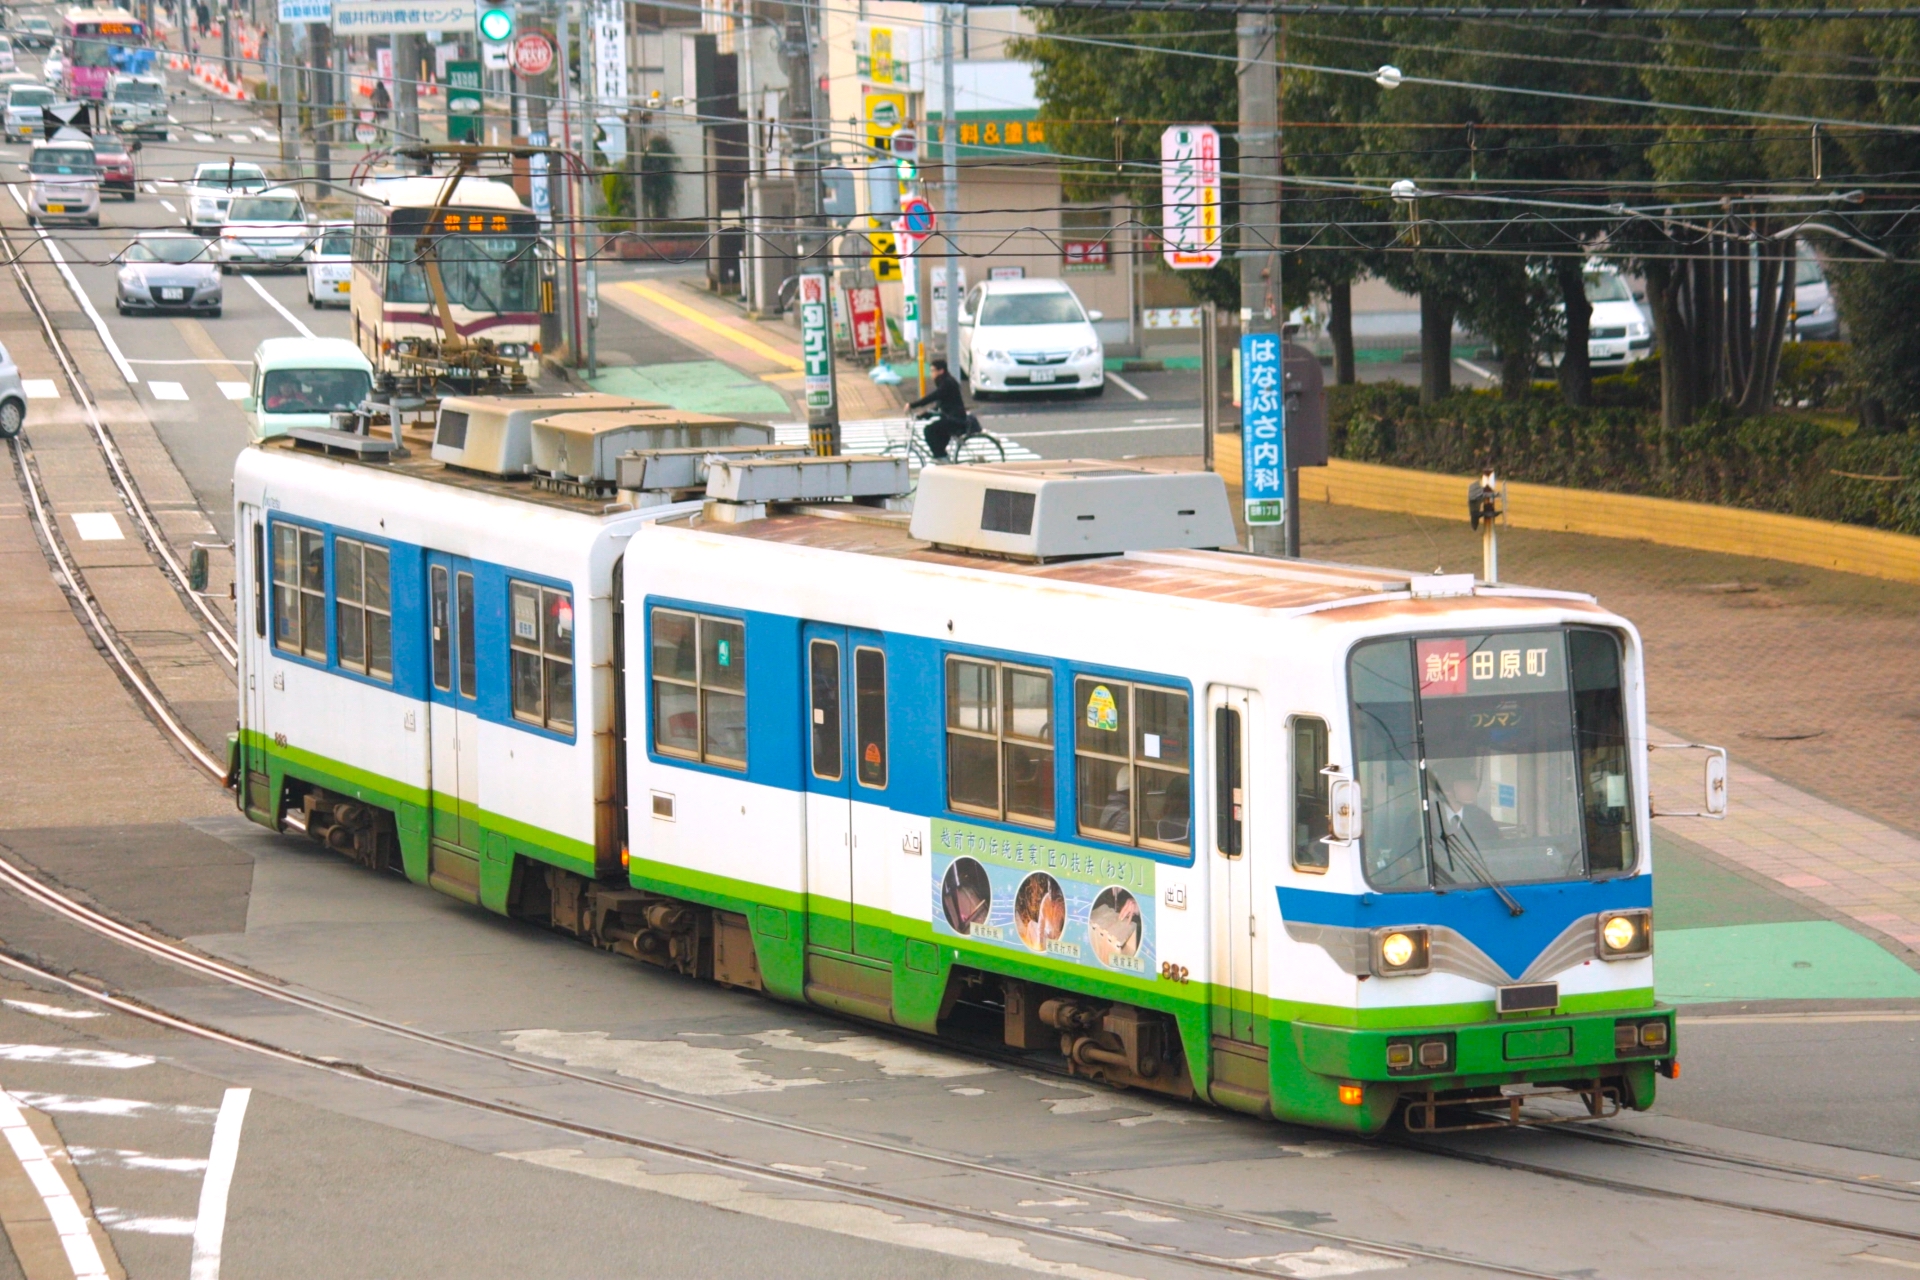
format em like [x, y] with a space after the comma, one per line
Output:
[1618, 332]
[302, 382]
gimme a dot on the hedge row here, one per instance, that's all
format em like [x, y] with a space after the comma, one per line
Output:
[1790, 462]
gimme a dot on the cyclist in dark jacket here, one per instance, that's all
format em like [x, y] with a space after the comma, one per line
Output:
[953, 411]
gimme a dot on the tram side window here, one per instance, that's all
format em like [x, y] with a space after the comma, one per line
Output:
[1600, 728]
[1131, 763]
[1000, 741]
[540, 657]
[1310, 786]
[300, 591]
[700, 688]
[362, 609]
[870, 716]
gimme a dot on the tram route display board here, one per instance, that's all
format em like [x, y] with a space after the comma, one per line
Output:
[1042, 896]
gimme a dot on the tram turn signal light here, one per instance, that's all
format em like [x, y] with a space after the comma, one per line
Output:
[1401, 952]
[1352, 1095]
[1625, 935]
[1641, 1037]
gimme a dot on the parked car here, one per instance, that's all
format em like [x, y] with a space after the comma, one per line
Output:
[138, 105]
[33, 32]
[116, 165]
[212, 188]
[24, 111]
[168, 271]
[1617, 331]
[64, 181]
[13, 398]
[330, 265]
[1029, 335]
[265, 229]
[301, 382]
[1815, 318]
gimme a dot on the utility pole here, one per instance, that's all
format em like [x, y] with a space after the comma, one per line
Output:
[406, 85]
[950, 185]
[320, 41]
[1259, 141]
[227, 19]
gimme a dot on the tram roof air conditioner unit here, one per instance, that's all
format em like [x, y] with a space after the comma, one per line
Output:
[587, 446]
[1057, 509]
[494, 434]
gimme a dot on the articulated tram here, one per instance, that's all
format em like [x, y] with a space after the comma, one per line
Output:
[1035, 765]
[487, 248]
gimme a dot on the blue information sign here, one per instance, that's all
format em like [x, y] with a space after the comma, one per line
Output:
[1263, 439]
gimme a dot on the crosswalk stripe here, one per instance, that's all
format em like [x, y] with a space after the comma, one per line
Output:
[203, 137]
[874, 435]
[40, 388]
[234, 390]
[166, 390]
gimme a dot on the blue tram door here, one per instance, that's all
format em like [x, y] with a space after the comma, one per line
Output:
[849, 828]
[454, 691]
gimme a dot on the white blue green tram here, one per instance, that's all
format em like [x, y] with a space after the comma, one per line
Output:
[1309, 841]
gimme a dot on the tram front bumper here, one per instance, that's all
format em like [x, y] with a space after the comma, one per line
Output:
[1510, 1050]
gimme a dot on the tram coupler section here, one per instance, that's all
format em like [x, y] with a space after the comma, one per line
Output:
[1117, 1043]
[1508, 1106]
[631, 922]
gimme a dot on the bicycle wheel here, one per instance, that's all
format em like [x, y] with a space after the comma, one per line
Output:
[980, 447]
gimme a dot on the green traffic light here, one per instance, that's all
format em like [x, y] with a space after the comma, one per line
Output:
[496, 25]
[906, 170]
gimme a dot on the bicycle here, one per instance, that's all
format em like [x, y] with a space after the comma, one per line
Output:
[976, 445]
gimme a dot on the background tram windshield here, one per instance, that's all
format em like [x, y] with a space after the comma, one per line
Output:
[488, 260]
[1491, 757]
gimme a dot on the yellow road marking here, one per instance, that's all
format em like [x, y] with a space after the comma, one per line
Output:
[707, 322]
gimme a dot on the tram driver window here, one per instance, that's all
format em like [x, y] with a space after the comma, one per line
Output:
[362, 609]
[1131, 744]
[870, 716]
[1310, 787]
[540, 657]
[700, 688]
[1000, 741]
[300, 591]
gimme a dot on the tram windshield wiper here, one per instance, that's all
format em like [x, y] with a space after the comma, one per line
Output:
[1461, 845]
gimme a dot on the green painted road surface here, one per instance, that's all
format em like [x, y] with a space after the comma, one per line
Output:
[698, 386]
[1719, 936]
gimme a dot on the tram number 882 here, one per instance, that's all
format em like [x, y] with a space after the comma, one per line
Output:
[1171, 972]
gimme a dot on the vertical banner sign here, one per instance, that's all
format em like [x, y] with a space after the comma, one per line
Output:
[463, 101]
[1190, 196]
[909, 290]
[610, 53]
[863, 306]
[816, 343]
[537, 180]
[1263, 460]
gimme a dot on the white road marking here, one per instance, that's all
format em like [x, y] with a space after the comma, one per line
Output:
[1476, 370]
[124, 1159]
[211, 1225]
[79, 1104]
[168, 206]
[285, 314]
[859, 1221]
[261, 134]
[671, 1064]
[1127, 387]
[145, 1224]
[96, 526]
[233, 390]
[167, 390]
[893, 1059]
[222, 363]
[153, 189]
[75, 1057]
[1095, 431]
[239, 137]
[203, 137]
[71, 1224]
[40, 388]
[173, 119]
[86, 305]
[52, 1010]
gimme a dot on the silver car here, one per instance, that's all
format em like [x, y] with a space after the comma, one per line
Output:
[269, 229]
[65, 178]
[168, 271]
[13, 398]
[24, 119]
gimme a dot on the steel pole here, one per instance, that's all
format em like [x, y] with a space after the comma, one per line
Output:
[1259, 155]
[950, 186]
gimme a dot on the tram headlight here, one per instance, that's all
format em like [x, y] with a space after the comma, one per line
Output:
[1625, 935]
[1400, 952]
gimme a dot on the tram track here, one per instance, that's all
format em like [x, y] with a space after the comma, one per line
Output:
[98, 922]
[216, 628]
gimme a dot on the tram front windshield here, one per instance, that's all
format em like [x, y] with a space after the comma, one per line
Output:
[481, 272]
[1492, 758]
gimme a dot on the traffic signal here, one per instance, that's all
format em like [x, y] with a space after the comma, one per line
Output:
[496, 25]
[907, 172]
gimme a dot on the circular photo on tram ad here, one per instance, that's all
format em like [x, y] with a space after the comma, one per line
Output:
[966, 895]
[1039, 911]
[1114, 925]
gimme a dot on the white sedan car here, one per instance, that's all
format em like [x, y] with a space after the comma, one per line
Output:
[265, 230]
[1029, 335]
[330, 266]
[213, 187]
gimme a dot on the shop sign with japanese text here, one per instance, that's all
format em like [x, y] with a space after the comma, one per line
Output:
[1263, 459]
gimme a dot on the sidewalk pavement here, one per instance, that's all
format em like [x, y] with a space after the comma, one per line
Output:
[767, 351]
